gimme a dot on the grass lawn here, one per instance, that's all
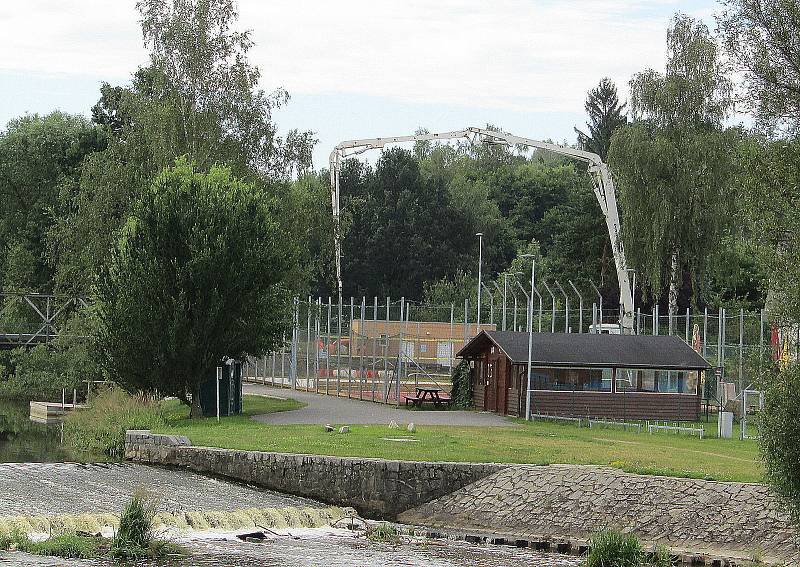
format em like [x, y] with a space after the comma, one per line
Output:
[537, 443]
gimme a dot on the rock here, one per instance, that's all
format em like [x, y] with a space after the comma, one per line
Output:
[411, 427]
[344, 429]
[328, 427]
[393, 425]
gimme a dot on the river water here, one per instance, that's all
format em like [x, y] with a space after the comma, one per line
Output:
[23, 441]
[331, 550]
[30, 488]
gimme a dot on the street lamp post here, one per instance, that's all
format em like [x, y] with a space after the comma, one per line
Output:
[530, 338]
[480, 262]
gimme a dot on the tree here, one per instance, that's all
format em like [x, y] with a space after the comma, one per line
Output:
[198, 97]
[606, 114]
[762, 42]
[201, 272]
[202, 74]
[780, 435]
[40, 156]
[674, 166]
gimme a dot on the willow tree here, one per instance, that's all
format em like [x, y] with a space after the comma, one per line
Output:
[673, 163]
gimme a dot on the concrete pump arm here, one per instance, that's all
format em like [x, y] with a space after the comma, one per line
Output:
[598, 171]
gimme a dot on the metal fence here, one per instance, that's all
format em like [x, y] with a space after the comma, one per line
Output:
[378, 350]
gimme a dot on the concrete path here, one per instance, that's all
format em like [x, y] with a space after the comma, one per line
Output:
[322, 409]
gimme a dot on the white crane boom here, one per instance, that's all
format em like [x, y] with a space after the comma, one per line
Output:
[601, 180]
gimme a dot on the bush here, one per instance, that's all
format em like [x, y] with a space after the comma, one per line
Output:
[609, 548]
[100, 428]
[780, 436]
[135, 535]
[461, 392]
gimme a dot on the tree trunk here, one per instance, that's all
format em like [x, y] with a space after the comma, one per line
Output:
[673, 286]
[196, 410]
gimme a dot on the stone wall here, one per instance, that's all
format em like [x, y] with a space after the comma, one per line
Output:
[570, 502]
[376, 488]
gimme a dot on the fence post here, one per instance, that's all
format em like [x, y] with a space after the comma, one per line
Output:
[350, 350]
[741, 348]
[361, 351]
[308, 341]
[386, 354]
[328, 349]
[705, 330]
[688, 317]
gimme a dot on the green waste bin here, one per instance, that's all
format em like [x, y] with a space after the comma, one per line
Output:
[230, 391]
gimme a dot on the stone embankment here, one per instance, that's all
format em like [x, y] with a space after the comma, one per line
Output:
[376, 488]
[554, 507]
[568, 502]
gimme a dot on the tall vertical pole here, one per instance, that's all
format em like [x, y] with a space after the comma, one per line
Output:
[386, 354]
[480, 275]
[219, 379]
[450, 336]
[361, 350]
[328, 349]
[530, 344]
[339, 349]
[308, 341]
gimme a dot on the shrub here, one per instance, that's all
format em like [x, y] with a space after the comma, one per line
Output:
[100, 428]
[609, 548]
[461, 392]
[383, 533]
[780, 436]
[135, 534]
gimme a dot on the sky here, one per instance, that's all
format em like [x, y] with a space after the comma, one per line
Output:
[365, 68]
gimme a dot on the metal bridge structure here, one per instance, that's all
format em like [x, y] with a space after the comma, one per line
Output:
[30, 319]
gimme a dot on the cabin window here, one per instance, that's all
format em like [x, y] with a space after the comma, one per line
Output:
[572, 379]
[651, 380]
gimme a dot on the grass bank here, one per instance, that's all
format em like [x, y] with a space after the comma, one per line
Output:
[523, 442]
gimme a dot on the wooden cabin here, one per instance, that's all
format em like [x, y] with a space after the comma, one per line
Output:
[589, 375]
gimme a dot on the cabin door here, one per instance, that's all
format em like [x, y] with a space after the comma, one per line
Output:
[489, 392]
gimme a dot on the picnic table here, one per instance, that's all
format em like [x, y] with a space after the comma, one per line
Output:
[428, 394]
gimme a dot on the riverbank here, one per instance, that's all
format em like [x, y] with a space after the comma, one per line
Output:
[517, 442]
[531, 503]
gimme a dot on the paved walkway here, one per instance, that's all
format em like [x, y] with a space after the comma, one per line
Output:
[322, 409]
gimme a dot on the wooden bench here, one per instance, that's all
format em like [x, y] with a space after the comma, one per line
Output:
[415, 400]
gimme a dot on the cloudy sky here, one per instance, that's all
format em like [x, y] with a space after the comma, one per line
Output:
[358, 68]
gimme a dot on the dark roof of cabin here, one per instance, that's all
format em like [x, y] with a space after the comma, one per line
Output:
[590, 350]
